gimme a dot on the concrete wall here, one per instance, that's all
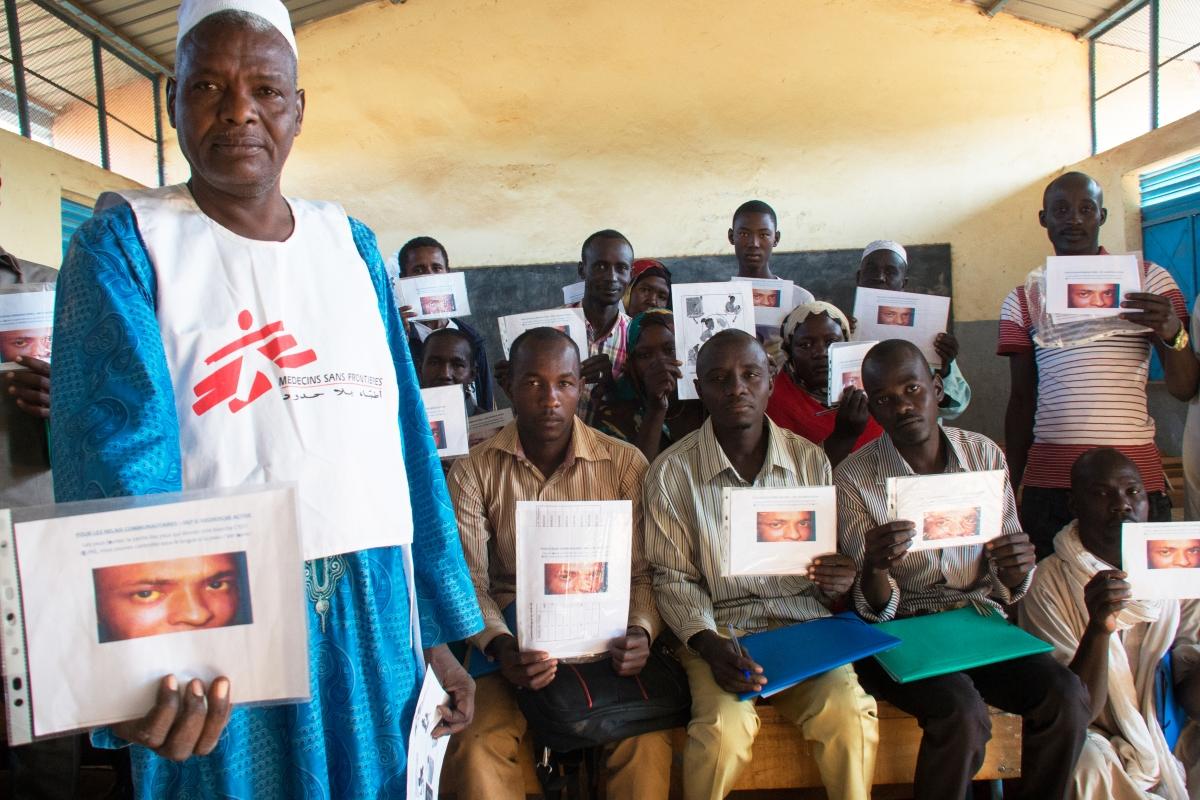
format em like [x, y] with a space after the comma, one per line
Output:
[1117, 170]
[35, 179]
[512, 130]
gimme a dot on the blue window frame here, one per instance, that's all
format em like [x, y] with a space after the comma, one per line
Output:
[73, 215]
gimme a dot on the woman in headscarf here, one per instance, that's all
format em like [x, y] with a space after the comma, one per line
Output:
[644, 408]
[650, 287]
[798, 400]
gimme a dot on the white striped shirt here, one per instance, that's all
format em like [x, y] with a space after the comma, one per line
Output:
[1089, 395]
[687, 544]
[929, 580]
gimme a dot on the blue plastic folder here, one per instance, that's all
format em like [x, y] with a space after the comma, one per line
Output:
[798, 652]
[951, 641]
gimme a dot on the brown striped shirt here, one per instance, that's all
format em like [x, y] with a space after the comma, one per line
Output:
[486, 485]
[929, 580]
[687, 543]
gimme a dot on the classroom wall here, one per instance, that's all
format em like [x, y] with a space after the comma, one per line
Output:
[1117, 170]
[512, 130]
[35, 179]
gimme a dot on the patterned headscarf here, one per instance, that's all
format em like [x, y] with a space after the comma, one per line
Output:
[805, 310]
[648, 318]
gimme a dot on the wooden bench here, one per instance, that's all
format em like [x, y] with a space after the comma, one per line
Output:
[783, 759]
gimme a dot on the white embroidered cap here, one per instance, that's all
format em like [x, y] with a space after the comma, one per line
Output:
[885, 244]
[193, 12]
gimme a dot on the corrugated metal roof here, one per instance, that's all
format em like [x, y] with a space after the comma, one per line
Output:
[150, 25]
[1179, 21]
[1073, 16]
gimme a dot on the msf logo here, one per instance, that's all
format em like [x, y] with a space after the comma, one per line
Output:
[242, 387]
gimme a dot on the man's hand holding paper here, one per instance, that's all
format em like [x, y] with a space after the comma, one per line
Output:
[182, 724]
[1013, 557]
[1154, 311]
[528, 669]
[30, 386]
[630, 652]
[833, 573]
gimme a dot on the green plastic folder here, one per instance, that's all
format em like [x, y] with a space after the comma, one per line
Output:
[951, 641]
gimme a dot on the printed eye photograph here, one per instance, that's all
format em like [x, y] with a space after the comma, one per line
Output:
[583, 577]
[954, 523]
[787, 526]
[767, 298]
[439, 433]
[32, 343]
[852, 378]
[150, 598]
[1173, 553]
[896, 315]
[437, 304]
[1093, 295]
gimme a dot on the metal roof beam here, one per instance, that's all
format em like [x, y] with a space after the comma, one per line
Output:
[1110, 19]
[109, 34]
[995, 8]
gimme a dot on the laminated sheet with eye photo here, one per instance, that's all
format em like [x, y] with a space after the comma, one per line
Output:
[1162, 559]
[439, 296]
[845, 368]
[1079, 287]
[26, 323]
[882, 314]
[574, 565]
[951, 509]
[102, 599]
[778, 531]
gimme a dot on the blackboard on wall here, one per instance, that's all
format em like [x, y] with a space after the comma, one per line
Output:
[828, 274]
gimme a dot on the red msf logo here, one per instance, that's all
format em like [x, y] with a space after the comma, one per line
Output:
[223, 384]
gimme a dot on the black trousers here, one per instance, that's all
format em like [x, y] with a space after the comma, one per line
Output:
[1044, 512]
[953, 715]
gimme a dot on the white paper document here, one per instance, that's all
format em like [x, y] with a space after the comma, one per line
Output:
[1162, 559]
[446, 408]
[778, 531]
[773, 300]
[439, 296]
[916, 318]
[101, 599]
[1090, 286]
[845, 367]
[573, 292]
[950, 510]
[701, 311]
[425, 753]
[482, 427]
[573, 574]
[568, 320]
[26, 322]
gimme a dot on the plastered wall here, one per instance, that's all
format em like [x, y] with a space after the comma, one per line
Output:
[512, 130]
[35, 178]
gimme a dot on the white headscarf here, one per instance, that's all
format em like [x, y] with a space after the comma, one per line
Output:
[885, 244]
[193, 12]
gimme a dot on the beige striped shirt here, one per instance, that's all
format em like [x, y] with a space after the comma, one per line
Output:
[687, 543]
[486, 485]
[929, 580]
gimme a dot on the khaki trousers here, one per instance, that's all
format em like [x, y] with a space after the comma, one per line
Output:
[487, 756]
[831, 710]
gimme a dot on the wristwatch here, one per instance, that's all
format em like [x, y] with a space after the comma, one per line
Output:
[1180, 341]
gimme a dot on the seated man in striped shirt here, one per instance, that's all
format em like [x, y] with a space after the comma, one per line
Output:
[686, 542]
[545, 453]
[1064, 401]
[903, 396]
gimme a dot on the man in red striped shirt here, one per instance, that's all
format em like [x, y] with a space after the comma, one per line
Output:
[1064, 401]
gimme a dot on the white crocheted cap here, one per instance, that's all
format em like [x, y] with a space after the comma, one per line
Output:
[193, 12]
[885, 244]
